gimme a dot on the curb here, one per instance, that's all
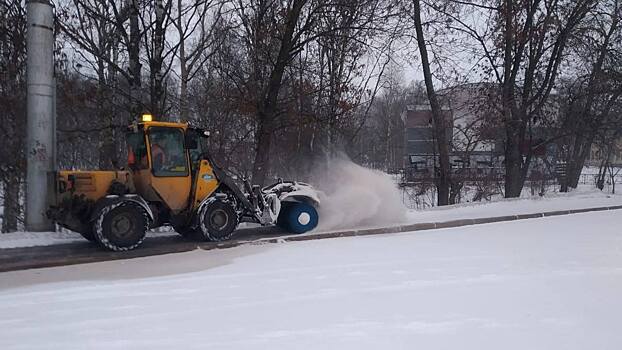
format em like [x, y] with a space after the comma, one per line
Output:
[14, 259]
[406, 228]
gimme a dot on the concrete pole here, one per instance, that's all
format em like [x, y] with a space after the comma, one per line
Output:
[40, 147]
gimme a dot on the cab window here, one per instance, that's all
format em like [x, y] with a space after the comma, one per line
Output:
[136, 151]
[195, 148]
[168, 156]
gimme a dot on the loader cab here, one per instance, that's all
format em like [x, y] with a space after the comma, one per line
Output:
[160, 162]
[161, 148]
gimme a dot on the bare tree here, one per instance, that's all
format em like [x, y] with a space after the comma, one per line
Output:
[13, 114]
[106, 32]
[520, 46]
[197, 24]
[443, 180]
[273, 45]
[596, 92]
[267, 104]
[91, 29]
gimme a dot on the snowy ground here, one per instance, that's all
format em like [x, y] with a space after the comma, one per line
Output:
[548, 283]
[552, 202]
[31, 239]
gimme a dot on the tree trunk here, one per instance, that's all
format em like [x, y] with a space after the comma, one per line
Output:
[514, 178]
[11, 204]
[134, 64]
[108, 149]
[513, 158]
[456, 188]
[267, 109]
[262, 155]
[440, 123]
[107, 146]
[583, 142]
[571, 178]
[576, 164]
[183, 66]
[157, 79]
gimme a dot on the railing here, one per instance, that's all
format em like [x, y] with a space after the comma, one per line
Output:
[592, 178]
[418, 190]
[470, 175]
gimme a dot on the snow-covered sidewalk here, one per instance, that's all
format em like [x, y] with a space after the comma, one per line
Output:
[33, 239]
[547, 283]
[551, 202]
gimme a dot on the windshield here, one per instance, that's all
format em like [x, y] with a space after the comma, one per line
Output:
[168, 156]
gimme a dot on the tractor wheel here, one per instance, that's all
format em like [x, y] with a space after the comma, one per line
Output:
[217, 221]
[121, 226]
[297, 217]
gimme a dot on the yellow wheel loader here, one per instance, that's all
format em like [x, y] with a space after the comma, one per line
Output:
[171, 180]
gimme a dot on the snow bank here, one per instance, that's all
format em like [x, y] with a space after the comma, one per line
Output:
[354, 196]
[31, 239]
[578, 199]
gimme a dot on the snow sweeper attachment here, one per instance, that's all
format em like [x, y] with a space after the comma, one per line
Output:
[171, 180]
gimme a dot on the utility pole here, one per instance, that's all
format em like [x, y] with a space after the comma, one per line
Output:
[41, 107]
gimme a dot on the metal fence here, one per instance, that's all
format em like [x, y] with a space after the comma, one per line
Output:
[589, 179]
[418, 190]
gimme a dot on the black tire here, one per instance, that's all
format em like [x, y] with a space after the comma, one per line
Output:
[217, 221]
[282, 221]
[121, 226]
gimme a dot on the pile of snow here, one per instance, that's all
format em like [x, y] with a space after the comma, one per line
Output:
[549, 283]
[578, 199]
[31, 239]
[353, 196]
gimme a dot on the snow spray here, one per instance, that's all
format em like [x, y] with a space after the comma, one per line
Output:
[353, 196]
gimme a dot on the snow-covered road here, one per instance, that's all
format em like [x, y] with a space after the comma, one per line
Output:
[549, 283]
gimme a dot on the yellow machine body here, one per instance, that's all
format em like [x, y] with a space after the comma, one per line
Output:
[93, 185]
[177, 194]
[206, 184]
